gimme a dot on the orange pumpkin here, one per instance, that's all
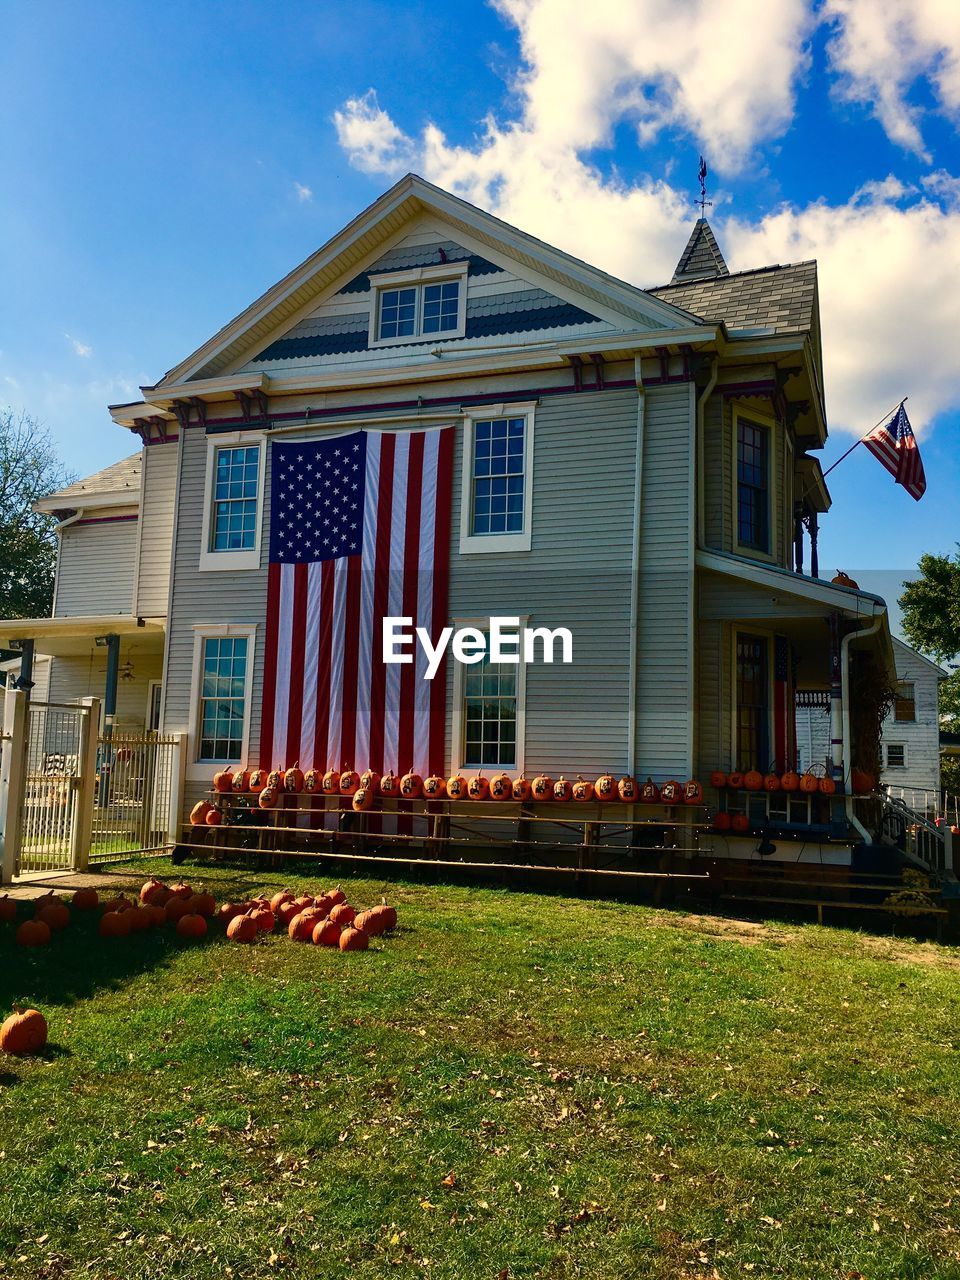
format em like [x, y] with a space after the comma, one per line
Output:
[330, 786]
[353, 940]
[120, 903]
[370, 779]
[628, 790]
[735, 780]
[542, 788]
[771, 782]
[191, 925]
[692, 792]
[312, 781]
[326, 933]
[342, 914]
[25, 1031]
[257, 780]
[521, 789]
[287, 910]
[275, 779]
[268, 798]
[54, 914]
[861, 782]
[141, 918]
[718, 779]
[86, 900]
[362, 799]
[214, 818]
[114, 924]
[242, 929]
[223, 781]
[203, 904]
[583, 791]
[8, 909]
[333, 896]
[649, 792]
[809, 783]
[349, 781]
[671, 792]
[229, 911]
[390, 785]
[456, 787]
[844, 580]
[176, 908]
[241, 780]
[33, 933]
[278, 899]
[753, 780]
[562, 790]
[378, 920]
[790, 781]
[740, 823]
[722, 821]
[605, 788]
[198, 814]
[411, 786]
[501, 788]
[151, 890]
[826, 786]
[434, 787]
[301, 927]
[263, 917]
[293, 780]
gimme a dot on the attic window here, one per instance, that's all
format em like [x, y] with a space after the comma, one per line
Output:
[417, 305]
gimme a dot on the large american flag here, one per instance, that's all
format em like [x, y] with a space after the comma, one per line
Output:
[359, 530]
[895, 445]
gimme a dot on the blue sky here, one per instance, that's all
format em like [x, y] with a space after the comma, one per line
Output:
[169, 162]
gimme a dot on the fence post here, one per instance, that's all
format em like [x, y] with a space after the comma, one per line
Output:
[13, 762]
[178, 776]
[87, 760]
[947, 848]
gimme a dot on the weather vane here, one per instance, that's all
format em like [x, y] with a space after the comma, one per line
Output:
[703, 202]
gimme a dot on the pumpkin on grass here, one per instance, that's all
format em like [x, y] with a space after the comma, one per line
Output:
[53, 913]
[377, 920]
[176, 908]
[301, 927]
[25, 1031]
[353, 940]
[326, 933]
[154, 892]
[141, 918]
[192, 925]
[342, 914]
[114, 924]
[85, 900]
[334, 896]
[119, 903]
[286, 911]
[278, 899]
[263, 917]
[203, 904]
[181, 890]
[33, 933]
[242, 929]
[8, 909]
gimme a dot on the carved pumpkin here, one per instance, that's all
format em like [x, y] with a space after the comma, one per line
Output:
[583, 791]
[718, 779]
[268, 797]
[809, 783]
[671, 792]
[771, 782]
[692, 792]
[312, 782]
[790, 781]
[521, 789]
[411, 786]
[362, 799]
[501, 788]
[456, 787]
[8, 909]
[562, 790]
[370, 779]
[753, 780]
[722, 821]
[542, 788]
[649, 792]
[275, 779]
[241, 780]
[861, 782]
[390, 785]
[191, 925]
[25, 1031]
[349, 782]
[326, 933]
[342, 914]
[86, 900]
[33, 933]
[198, 814]
[735, 780]
[293, 780]
[214, 818]
[223, 781]
[242, 928]
[478, 787]
[628, 790]
[605, 787]
[257, 780]
[434, 787]
[826, 786]
[740, 823]
[353, 940]
[331, 783]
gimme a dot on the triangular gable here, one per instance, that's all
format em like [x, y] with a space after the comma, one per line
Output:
[353, 250]
[701, 259]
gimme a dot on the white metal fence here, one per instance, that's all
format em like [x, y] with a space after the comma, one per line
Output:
[932, 804]
[137, 787]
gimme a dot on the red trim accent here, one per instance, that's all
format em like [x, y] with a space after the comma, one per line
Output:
[105, 520]
[320, 760]
[298, 635]
[441, 577]
[381, 585]
[351, 664]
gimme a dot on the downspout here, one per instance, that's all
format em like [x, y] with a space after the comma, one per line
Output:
[702, 399]
[845, 704]
[634, 645]
[61, 525]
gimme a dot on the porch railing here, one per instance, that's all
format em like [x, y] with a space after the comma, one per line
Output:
[927, 845]
[932, 804]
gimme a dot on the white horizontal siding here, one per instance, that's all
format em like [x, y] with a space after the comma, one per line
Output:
[156, 529]
[96, 568]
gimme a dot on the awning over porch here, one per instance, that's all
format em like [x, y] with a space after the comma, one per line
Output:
[68, 637]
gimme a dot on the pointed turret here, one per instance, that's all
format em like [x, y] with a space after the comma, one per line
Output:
[701, 259]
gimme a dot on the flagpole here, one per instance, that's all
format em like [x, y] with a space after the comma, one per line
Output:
[888, 414]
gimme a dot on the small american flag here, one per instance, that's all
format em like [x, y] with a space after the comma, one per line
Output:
[359, 530]
[895, 445]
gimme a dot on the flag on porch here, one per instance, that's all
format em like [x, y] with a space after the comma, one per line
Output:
[896, 447]
[359, 530]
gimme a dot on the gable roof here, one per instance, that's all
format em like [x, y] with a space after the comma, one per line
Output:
[121, 480]
[780, 298]
[910, 652]
[701, 259]
[351, 250]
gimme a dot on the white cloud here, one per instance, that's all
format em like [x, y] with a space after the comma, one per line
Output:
[371, 139]
[79, 348]
[883, 47]
[303, 193]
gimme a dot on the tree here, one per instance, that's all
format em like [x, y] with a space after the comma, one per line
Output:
[29, 469]
[931, 622]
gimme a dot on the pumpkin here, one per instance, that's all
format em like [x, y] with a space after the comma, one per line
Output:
[8, 909]
[85, 900]
[583, 791]
[522, 789]
[692, 792]
[862, 782]
[671, 792]
[176, 908]
[287, 910]
[377, 920]
[268, 797]
[191, 925]
[330, 786]
[390, 785]
[33, 933]
[293, 780]
[362, 799]
[790, 781]
[278, 899]
[456, 787]
[141, 918]
[342, 914]
[562, 789]
[198, 814]
[809, 783]
[334, 896]
[753, 780]
[181, 890]
[223, 781]
[349, 782]
[25, 1031]
[771, 782]
[257, 780]
[605, 787]
[844, 580]
[370, 779]
[152, 890]
[434, 787]
[203, 904]
[718, 779]
[275, 779]
[353, 940]
[722, 821]
[301, 927]
[326, 933]
[263, 917]
[501, 788]
[114, 924]
[241, 780]
[54, 914]
[119, 903]
[542, 787]
[411, 786]
[304, 901]
[649, 792]
[242, 929]
[214, 818]
[312, 781]
[826, 786]
[627, 790]
[229, 911]
[735, 780]
[740, 823]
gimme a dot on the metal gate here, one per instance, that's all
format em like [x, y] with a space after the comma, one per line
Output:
[56, 771]
[137, 795]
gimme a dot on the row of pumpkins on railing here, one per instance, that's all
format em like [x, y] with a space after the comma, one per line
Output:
[364, 789]
[808, 783]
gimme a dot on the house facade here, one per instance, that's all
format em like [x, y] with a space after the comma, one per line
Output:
[635, 465]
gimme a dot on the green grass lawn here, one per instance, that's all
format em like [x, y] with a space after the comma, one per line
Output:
[512, 1086]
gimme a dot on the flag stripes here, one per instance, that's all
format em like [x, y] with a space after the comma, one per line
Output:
[895, 446]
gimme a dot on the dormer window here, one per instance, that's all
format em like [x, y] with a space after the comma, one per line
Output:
[417, 305]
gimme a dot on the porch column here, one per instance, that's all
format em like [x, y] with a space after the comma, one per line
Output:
[25, 681]
[112, 643]
[836, 702]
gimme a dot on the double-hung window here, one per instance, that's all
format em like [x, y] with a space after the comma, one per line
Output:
[753, 486]
[497, 484]
[905, 704]
[490, 714]
[896, 755]
[417, 305]
[222, 701]
[234, 500]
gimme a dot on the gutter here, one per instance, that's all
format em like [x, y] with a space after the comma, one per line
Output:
[701, 451]
[845, 713]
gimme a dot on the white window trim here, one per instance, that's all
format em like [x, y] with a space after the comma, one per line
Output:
[198, 770]
[458, 746]
[906, 755]
[225, 559]
[773, 515]
[485, 543]
[442, 272]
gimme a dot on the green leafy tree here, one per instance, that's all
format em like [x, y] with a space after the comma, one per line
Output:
[29, 469]
[931, 622]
